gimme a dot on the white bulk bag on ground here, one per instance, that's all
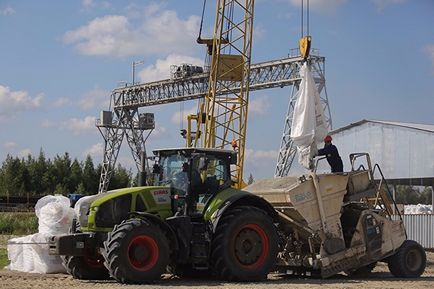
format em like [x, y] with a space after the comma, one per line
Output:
[30, 253]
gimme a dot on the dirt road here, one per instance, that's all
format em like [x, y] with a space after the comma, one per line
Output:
[380, 278]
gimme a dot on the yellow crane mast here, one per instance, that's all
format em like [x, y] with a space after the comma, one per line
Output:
[222, 118]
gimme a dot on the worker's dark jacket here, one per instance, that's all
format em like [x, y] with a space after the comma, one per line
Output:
[333, 158]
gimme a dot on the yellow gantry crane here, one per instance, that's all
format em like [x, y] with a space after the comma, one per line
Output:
[221, 121]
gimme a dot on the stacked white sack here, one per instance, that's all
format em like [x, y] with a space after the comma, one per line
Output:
[417, 209]
[30, 253]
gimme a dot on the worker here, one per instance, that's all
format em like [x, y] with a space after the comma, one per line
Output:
[332, 155]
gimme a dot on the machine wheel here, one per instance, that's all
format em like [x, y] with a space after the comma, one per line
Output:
[86, 267]
[363, 271]
[409, 261]
[245, 246]
[136, 251]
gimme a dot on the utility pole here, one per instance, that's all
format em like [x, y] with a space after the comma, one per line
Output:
[134, 64]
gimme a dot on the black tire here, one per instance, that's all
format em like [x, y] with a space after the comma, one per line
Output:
[244, 246]
[136, 251]
[363, 271]
[409, 261]
[86, 267]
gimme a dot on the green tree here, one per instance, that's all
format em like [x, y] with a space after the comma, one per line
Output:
[15, 177]
[80, 189]
[76, 176]
[90, 176]
[121, 178]
[251, 180]
[37, 169]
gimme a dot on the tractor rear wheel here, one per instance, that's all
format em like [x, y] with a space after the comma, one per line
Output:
[136, 251]
[90, 267]
[409, 261]
[245, 246]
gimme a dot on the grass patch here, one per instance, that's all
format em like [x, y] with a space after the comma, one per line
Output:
[18, 223]
[3, 258]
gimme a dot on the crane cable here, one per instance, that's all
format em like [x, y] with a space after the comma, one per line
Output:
[201, 20]
[302, 17]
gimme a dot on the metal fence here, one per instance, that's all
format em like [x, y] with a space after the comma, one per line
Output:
[420, 228]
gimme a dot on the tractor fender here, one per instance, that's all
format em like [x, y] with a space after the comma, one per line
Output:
[247, 199]
[158, 221]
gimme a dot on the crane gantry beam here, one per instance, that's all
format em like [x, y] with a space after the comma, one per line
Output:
[270, 74]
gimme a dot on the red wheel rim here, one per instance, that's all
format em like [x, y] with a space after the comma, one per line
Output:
[251, 246]
[143, 253]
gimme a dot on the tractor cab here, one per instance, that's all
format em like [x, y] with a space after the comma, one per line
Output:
[193, 175]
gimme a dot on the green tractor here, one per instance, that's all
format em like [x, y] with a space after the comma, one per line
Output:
[191, 222]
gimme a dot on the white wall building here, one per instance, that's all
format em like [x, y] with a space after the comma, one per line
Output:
[404, 151]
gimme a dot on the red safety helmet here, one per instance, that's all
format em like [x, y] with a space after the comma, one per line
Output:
[328, 138]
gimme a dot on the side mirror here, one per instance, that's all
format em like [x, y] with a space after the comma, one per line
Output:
[156, 169]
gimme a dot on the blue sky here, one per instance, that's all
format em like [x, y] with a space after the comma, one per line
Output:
[59, 61]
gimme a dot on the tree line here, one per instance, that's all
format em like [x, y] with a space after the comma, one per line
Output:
[39, 176]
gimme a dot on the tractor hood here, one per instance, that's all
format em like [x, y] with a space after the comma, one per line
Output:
[107, 209]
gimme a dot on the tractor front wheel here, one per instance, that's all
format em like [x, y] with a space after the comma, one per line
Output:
[245, 246]
[89, 267]
[136, 251]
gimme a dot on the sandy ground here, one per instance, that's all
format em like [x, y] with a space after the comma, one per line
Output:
[380, 278]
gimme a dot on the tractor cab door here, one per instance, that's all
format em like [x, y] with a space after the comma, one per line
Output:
[214, 176]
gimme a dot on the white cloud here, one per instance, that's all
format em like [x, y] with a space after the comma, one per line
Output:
[383, 4]
[258, 155]
[429, 49]
[321, 6]
[10, 145]
[96, 97]
[61, 102]
[7, 11]
[78, 126]
[155, 32]
[259, 32]
[91, 4]
[87, 4]
[12, 102]
[48, 123]
[259, 105]
[161, 69]
[24, 153]
[96, 150]
[158, 133]
[182, 115]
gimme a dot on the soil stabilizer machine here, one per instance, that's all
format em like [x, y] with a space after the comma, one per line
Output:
[193, 223]
[329, 223]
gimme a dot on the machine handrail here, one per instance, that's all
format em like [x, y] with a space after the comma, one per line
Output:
[387, 188]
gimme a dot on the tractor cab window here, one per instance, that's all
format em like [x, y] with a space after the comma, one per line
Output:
[173, 173]
[214, 176]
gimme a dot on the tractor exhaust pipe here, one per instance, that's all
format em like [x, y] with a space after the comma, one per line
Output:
[142, 172]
